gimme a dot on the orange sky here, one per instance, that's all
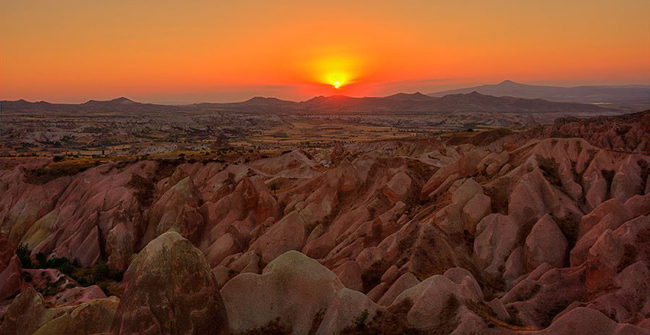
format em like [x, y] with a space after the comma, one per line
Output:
[192, 51]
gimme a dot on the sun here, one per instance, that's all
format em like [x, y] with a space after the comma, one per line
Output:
[336, 72]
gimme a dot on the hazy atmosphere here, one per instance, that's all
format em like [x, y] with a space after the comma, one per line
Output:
[215, 51]
[324, 168]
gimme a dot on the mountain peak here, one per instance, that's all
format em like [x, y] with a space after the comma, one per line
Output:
[508, 82]
[410, 96]
[123, 100]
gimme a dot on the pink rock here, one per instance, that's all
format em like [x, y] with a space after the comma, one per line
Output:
[162, 297]
[398, 187]
[533, 197]
[627, 180]
[391, 274]
[545, 244]
[6, 252]
[224, 246]
[515, 266]
[431, 296]
[593, 218]
[350, 275]
[343, 309]
[248, 262]
[377, 292]
[403, 283]
[120, 244]
[26, 314]
[443, 187]
[496, 236]
[630, 296]
[449, 219]
[286, 234]
[465, 165]
[586, 321]
[78, 295]
[291, 291]
[319, 247]
[475, 210]
[176, 210]
[466, 192]
[11, 279]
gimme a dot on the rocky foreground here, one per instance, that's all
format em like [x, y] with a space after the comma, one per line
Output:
[540, 232]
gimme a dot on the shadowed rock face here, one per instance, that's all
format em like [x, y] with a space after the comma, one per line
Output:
[520, 234]
[28, 314]
[170, 289]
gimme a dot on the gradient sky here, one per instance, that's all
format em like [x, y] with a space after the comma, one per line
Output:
[192, 51]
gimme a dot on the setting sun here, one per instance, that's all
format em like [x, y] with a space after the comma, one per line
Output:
[329, 167]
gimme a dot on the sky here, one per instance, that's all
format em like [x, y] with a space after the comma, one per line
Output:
[168, 51]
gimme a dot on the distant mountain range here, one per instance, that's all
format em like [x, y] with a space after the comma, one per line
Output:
[582, 94]
[119, 105]
[395, 104]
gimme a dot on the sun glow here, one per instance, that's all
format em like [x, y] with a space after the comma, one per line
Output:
[335, 71]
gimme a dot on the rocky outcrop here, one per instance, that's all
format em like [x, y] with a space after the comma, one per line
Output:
[545, 244]
[405, 282]
[170, 289]
[586, 321]
[287, 234]
[378, 237]
[11, 279]
[28, 314]
[496, 236]
[288, 294]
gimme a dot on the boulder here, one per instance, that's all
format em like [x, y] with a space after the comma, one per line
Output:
[343, 310]
[289, 293]
[435, 295]
[170, 289]
[27, 313]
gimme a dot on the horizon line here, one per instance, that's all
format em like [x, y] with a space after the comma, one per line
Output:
[647, 86]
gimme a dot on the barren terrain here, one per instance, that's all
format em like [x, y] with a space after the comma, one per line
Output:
[536, 230]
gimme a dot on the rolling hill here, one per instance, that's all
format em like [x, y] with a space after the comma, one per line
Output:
[398, 104]
[581, 94]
